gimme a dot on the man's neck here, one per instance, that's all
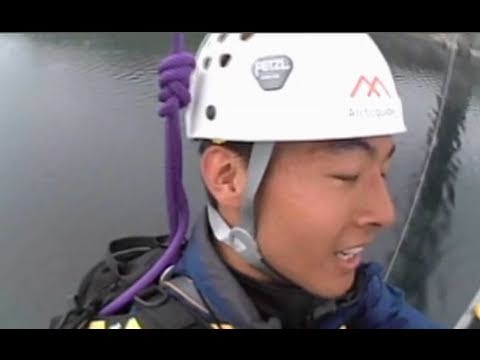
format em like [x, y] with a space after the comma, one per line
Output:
[236, 262]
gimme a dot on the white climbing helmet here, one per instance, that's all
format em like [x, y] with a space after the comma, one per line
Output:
[292, 87]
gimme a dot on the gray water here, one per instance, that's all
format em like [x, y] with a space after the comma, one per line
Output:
[82, 163]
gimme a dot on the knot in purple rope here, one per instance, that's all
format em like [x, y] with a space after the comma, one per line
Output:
[175, 72]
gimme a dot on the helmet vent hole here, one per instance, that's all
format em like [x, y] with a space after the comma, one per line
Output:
[225, 60]
[246, 36]
[222, 37]
[206, 62]
[211, 112]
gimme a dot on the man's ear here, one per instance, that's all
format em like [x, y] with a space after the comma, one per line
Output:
[224, 173]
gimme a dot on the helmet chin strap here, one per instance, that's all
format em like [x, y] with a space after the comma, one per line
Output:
[242, 238]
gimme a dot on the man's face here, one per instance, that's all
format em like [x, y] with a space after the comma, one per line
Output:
[321, 205]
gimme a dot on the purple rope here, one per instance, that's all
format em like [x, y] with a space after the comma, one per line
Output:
[175, 72]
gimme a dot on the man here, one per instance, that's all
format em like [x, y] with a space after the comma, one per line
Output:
[296, 143]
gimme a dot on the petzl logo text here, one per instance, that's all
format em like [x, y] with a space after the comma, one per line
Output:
[369, 88]
[272, 72]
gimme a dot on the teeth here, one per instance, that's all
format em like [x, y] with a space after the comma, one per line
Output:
[344, 257]
[350, 253]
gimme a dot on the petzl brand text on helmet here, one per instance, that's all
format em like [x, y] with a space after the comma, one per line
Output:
[272, 72]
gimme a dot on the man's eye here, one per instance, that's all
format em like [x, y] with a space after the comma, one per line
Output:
[347, 178]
